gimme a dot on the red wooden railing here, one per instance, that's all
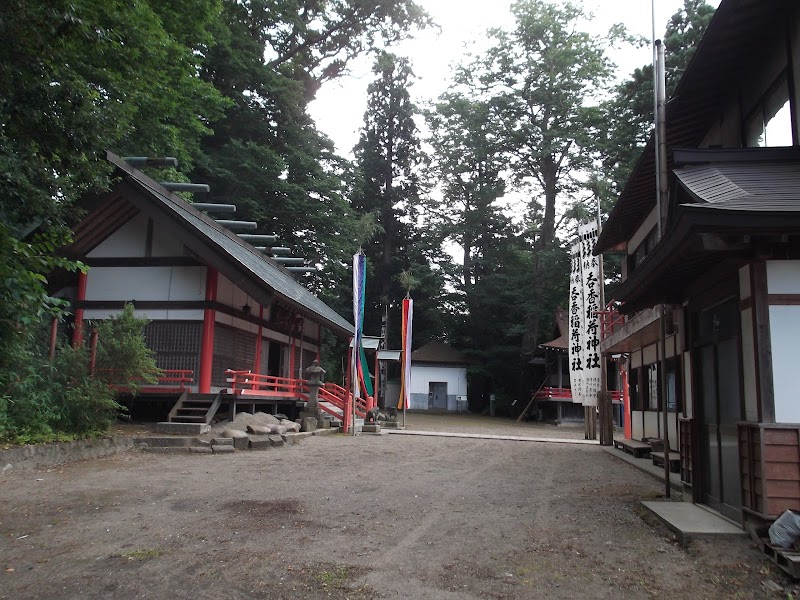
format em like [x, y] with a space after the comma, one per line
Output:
[169, 381]
[611, 319]
[246, 383]
[552, 393]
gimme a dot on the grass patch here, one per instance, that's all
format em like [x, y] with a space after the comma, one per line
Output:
[143, 554]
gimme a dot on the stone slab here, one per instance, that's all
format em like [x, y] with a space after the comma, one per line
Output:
[241, 443]
[168, 450]
[371, 428]
[260, 442]
[222, 441]
[276, 441]
[228, 449]
[182, 428]
[325, 431]
[689, 521]
[480, 436]
[200, 450]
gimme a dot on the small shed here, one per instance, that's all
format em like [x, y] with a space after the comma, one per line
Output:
[438, 378]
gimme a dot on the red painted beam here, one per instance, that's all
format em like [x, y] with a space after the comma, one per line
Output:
[207, 340]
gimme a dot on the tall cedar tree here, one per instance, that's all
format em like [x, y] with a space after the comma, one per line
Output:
[387, 155]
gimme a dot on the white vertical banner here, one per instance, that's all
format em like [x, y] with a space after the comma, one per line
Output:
[590, 338]
[576, 326]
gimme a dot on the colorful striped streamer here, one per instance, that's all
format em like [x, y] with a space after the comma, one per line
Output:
[405, 335]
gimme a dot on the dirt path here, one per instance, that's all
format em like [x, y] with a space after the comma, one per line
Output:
[366, 517]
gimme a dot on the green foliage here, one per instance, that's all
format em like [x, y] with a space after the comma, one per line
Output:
[24, 298]
[123, 357]
[629, 113]
[42, 401]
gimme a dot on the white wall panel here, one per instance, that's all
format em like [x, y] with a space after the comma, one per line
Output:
[651, 424]
[129, 283]
[188, 283]
[749, 374]
[455, 377]
[637, 432]
[744, 282]
[784, 324]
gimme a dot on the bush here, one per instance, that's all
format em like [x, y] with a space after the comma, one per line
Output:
[42, 401]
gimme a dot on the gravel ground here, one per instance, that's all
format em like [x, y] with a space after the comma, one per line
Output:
[367, 517]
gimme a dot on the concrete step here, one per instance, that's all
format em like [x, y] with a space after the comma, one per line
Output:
[165, 441]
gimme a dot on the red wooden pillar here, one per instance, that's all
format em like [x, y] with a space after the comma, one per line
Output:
[77, 332]
[291, 356]
[207, 343]
[626, 399]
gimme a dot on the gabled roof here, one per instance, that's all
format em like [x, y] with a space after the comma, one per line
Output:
[737, 37]
[214, 245]
[439, 352]
[721, 200]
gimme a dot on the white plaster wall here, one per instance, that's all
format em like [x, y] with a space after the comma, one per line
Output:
[456, 378]
[636, 425]
[127, 241]
[783, 276]
[672, 422]
[784, 324]
[146, 283]
[749, 374]
[651, 424]
[151, 314]
[164, 242]
[744, 282]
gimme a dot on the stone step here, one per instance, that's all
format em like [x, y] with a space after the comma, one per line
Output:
[189, 419]
[182, 428]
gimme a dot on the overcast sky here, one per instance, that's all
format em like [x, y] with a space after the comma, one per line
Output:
[339, 107]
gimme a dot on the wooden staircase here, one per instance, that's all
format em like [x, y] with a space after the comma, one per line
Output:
[195, 408]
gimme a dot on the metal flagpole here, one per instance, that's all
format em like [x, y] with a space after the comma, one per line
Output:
[659, 115]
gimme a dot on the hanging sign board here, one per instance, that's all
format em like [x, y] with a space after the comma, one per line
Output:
[590, 337]
[576, 326]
